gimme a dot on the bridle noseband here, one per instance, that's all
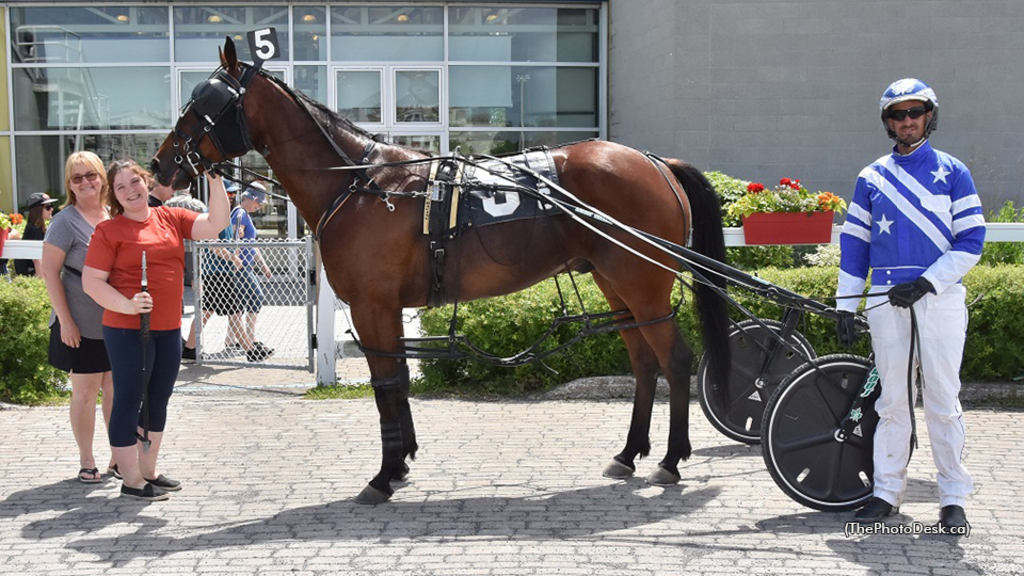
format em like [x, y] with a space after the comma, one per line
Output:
[212, 103]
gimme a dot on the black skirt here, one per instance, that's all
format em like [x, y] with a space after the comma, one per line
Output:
[89, 358]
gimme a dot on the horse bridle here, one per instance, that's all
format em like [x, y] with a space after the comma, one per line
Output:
[212, 101]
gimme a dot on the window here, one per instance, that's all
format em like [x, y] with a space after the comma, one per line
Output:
[523, 34]
[200, 30]
[93, 35]
[91, 98]
[417, 96]
[403, 33]
[527, 96]
[358, 94]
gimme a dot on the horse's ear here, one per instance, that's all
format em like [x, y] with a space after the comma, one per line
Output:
[228, 56]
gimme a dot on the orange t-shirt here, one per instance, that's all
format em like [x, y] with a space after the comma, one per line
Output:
[117, 247]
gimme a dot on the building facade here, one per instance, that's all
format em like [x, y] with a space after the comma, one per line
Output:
[112, 77]
[758, 89]
[765, 89]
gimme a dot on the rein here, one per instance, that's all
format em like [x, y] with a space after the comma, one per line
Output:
[221, 94]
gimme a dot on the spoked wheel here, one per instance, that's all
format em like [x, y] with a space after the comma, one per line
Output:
[749, 390]
[801, 444]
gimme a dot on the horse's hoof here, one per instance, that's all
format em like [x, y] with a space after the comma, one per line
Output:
[662, 477]
[371, 496]
[618, 471]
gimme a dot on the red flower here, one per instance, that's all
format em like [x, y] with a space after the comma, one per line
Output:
[785, 182]
[755, 187]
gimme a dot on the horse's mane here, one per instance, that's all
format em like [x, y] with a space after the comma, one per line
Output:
[329, 118]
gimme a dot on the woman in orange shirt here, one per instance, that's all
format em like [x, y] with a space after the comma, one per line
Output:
[112, 277]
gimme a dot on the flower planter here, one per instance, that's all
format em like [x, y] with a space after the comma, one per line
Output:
[788, 228]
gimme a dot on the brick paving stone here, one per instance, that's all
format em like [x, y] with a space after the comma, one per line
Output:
[502, 487]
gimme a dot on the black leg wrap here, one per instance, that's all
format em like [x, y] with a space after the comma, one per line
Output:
[395, 382]
[391, 437]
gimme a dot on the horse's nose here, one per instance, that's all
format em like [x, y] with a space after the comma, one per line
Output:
[154, 167]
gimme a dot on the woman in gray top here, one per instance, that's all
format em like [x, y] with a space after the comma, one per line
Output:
[76, 331]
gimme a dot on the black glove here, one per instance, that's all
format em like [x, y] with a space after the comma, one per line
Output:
[846, 329]
[904, 295]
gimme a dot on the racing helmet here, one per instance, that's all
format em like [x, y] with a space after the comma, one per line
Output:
[909, 89]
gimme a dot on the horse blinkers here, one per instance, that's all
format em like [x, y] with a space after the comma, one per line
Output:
[212, 103]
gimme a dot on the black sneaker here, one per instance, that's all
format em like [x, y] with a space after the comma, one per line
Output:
[875, 510]
[258, 353]
[188, 354]
[164, 483]
[953, 520]
[148, 493]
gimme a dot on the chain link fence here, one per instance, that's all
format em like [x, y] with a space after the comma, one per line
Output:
[254, 302]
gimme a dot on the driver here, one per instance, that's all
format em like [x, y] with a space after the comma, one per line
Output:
[916, 222]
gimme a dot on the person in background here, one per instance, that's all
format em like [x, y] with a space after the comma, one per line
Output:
[113, 277]
[159, 194]
[217, 275]
[917, 224]
[249, 289]
[76, 333]
[40, 211]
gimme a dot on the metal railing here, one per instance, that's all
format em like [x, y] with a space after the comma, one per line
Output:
[253, 303]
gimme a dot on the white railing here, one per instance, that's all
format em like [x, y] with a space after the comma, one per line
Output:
[996, 232]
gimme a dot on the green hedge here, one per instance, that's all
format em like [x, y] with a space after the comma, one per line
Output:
[25, 376]
[509, 324]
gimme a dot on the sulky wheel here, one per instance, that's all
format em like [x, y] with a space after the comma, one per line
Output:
[801, 434]
[749, 390]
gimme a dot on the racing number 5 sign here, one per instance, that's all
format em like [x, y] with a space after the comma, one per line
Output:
[263, 45]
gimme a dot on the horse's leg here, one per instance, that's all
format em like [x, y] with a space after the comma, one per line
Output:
[675, 357]
[645, 369]
[648, 298]
[380, 327]
[409, 445]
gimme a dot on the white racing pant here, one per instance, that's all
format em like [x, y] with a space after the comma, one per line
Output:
[942, 327]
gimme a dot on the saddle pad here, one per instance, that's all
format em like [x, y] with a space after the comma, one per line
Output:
[487, 205]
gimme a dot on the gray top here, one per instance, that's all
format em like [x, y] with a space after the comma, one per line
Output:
[70, 232]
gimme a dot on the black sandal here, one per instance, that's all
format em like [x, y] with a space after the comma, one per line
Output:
[94, 474]
[112, 470]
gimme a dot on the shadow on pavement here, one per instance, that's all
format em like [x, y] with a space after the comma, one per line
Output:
[555, 516]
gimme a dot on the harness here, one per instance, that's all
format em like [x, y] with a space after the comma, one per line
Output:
[440, 221]
[211, 103]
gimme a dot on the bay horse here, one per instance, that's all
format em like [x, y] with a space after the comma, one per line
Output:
[376, 256]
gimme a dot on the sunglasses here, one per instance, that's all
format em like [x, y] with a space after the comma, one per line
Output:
[915, 113]
[90, 176]
[48, 207]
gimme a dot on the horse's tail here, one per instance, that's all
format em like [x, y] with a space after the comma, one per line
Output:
[709, 240]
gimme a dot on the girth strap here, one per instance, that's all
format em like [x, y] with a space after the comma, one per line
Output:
[439, 210]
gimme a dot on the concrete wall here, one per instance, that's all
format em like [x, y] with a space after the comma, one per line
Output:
[762, 89]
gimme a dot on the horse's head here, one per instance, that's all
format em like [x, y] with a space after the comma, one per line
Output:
[212, 127]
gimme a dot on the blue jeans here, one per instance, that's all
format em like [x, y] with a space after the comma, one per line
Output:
[163, 358]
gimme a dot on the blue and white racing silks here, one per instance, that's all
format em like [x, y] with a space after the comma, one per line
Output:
[913, 215]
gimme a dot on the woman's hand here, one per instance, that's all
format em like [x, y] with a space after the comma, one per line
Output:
[141, 303]
[70, 335]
